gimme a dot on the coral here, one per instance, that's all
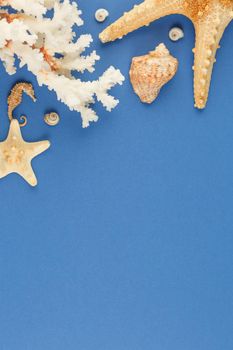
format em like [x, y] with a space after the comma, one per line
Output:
[40, 33]
[149, 73]
[210, 18]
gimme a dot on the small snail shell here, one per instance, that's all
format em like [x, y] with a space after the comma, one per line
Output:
[51, 119]
[176, 34]
[101, 15]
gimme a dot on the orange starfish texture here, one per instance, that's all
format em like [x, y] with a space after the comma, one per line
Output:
[210, 19]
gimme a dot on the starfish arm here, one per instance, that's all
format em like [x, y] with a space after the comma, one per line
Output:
[37, 148]
[141, 15]
[4, 172]
[28, 174]
[208, 35]
[14, 131]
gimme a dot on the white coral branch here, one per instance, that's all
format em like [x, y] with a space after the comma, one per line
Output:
[50, 49]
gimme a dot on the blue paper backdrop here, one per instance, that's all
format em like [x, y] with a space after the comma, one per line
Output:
[127, 242]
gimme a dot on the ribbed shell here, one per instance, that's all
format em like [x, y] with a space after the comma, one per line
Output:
[149, 73]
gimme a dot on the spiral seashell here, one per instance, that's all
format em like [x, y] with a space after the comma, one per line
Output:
[101, 15]
[150, 72]
[52, 118]
[176, 34]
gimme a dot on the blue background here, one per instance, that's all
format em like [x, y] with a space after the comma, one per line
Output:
[127, 242]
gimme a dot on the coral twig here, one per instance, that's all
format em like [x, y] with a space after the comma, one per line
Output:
[49, 47]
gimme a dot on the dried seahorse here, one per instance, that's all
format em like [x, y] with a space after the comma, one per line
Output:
[16, 96]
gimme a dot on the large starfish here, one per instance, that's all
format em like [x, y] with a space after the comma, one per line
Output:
[210, 19]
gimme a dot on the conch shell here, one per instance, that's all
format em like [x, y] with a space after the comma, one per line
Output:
[149, 73]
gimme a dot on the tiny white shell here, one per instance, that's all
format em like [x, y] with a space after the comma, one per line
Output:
[101, 15]
[176, 34]
[52, 119]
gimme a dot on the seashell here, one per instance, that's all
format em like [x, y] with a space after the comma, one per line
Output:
[176, 34]
[52, 118]
[101, 15]
[149, 73]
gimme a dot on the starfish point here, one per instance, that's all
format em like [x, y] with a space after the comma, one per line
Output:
[16, 154]
[210, 19]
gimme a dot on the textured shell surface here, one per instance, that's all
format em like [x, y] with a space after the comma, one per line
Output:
[149, 73]
[52, 118]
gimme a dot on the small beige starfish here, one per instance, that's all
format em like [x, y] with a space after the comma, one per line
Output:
[210, 19]
[16, 154]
